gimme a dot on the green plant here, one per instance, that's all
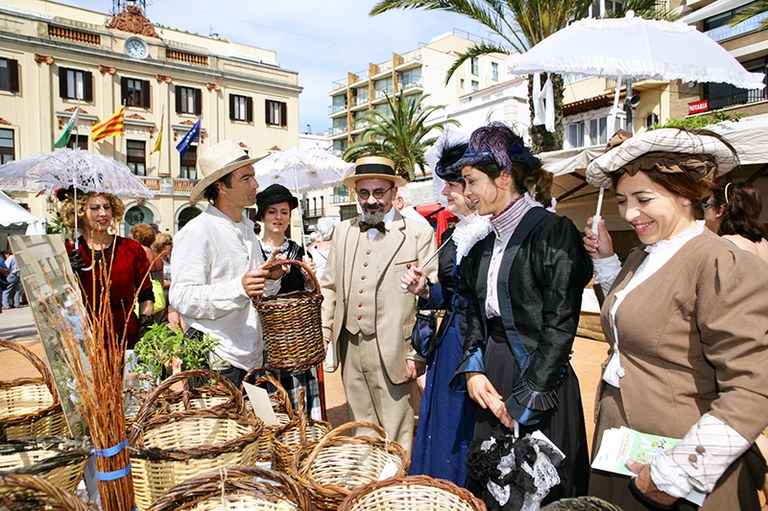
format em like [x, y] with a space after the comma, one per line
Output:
[160, 345]
[700, 121]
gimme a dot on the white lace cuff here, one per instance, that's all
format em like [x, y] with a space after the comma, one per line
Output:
[706, 451]
[606, 269]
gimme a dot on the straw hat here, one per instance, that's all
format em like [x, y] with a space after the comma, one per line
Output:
[374, 167]
[217, 162]
[708, 155]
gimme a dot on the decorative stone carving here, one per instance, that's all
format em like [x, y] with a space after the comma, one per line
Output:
[163, 78]
[3, 122]
[43, 59]
[133, 20]
[213, 86]
[135, 116]
[107, 70]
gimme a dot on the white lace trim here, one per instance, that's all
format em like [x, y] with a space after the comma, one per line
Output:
[469, 231]
[678, 240]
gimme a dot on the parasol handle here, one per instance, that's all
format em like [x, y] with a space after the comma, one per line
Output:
[597, 217]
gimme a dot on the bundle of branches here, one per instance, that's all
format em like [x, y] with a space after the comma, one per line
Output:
[95, 354]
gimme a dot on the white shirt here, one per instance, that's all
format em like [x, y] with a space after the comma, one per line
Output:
[411, 213]
[389, 217]
[210, 256]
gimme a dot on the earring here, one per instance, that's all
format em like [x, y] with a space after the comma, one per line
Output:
[686, 202]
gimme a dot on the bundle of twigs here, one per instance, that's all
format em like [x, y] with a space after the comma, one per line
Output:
[99, 376]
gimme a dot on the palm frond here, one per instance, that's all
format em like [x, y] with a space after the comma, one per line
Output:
[750, 11]
[647, 9]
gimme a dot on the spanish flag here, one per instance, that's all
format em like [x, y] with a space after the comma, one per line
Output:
[109, 128]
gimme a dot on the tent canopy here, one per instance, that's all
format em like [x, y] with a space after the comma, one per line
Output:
[13, 214]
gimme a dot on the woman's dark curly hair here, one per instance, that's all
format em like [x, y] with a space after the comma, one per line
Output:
[741, 205]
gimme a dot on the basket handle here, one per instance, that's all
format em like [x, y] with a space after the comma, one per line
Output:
[184, 376]
[337, 431]
[37, 362]
[300, 264]
[271, 378]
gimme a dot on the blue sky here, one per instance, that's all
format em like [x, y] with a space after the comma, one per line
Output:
[320, 40]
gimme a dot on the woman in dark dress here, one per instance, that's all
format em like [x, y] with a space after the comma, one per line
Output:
[275, 204]
[525, 280]
[446, 416]
[101, 253]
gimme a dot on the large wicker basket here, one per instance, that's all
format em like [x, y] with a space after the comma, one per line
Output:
[243, 488]
[412, 493]
[281, 404]
[299, 432]
[292, 325]
[169, 449]
[58, 460]
[30, 407]
[337, 465]
[33, 493]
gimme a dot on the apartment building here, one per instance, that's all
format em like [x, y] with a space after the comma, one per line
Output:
[54, 58]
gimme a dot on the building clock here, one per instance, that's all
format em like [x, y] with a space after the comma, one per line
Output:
[136, 48]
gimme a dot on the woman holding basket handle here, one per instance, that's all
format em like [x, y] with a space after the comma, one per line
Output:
[275, 204]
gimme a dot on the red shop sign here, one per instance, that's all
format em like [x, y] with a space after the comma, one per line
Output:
[698, 106]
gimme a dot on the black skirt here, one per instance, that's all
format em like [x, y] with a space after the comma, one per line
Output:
[563, 425]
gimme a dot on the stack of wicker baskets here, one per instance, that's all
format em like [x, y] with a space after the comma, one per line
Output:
[28, 492]
[281, 404]
[236, 489]
[336, 465]
[30, 407]
[57, 460]
[411, 493]
[300, 432]
[292, 325]
[169, 449]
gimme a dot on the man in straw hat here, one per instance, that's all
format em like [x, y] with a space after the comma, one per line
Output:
[367, 317]
[217, 265]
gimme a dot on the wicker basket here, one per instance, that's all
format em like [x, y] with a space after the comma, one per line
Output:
[58, 460]
[30, 407]
[336, 465]
[245, 488]
[291, 437]
[169, 449]
[281, 404]
[412, 493]
[26, 492]
[292, 325]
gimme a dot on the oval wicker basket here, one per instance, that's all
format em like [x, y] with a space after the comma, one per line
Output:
[294, 435]
[169, 449]
[27, 492]
[292, 325]
[244, 488]
[336, 465]
[281, 404]
[411, 493]
[30, 407]
[58, 460]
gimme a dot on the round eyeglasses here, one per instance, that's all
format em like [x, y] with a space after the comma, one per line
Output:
[378, 193]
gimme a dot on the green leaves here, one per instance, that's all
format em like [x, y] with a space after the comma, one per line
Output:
[160, 345]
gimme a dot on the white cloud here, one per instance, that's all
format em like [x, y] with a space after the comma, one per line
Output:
[322, 41]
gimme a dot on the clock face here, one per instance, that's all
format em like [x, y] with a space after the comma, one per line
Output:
[136, 48]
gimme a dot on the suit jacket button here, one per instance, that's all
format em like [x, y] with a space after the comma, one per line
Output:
[362, 277]
[693, 458]
[700, 449]
[365, 265]
[359, 318]
[361, 291]
[368, 252]
[359, 305]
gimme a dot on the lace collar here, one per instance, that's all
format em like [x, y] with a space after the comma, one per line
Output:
[678, 240]
[469, 231]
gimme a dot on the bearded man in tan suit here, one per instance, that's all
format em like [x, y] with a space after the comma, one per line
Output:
[367, 317]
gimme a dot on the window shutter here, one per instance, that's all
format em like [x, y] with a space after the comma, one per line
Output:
[198, 102]
[266, 111]
[249, 109]
[283, 114]
[87, 86]
[13, 70]
[177, 90]
[145, 89]
[124, 90]
[231, 107]
[63, 72]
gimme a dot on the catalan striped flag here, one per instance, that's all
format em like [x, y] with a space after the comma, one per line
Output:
[110, 128]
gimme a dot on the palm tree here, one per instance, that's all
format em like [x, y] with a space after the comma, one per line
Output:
[520, 24]
[401, 133]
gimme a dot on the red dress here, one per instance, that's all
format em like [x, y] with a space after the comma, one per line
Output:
[129, 274]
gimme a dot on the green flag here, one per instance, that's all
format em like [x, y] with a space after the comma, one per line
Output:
[64, 137]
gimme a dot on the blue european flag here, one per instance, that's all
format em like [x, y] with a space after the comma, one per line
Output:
[190, 137]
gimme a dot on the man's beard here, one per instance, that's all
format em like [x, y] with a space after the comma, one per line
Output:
[372, 218]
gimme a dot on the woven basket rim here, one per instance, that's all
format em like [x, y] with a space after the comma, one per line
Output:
[47, 379]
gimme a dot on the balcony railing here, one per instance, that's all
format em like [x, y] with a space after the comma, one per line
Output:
[361, 100]
[740, 97]
[169, 185]
[314, 212]
[337, 108]
[411, 85]
[339, 130]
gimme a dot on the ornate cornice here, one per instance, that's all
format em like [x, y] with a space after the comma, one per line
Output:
[3, 122]
[106, 70]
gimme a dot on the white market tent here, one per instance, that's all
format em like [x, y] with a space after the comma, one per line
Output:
[12, 214]
[577, 199]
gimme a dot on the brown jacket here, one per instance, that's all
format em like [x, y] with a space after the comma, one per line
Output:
[693, 338]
